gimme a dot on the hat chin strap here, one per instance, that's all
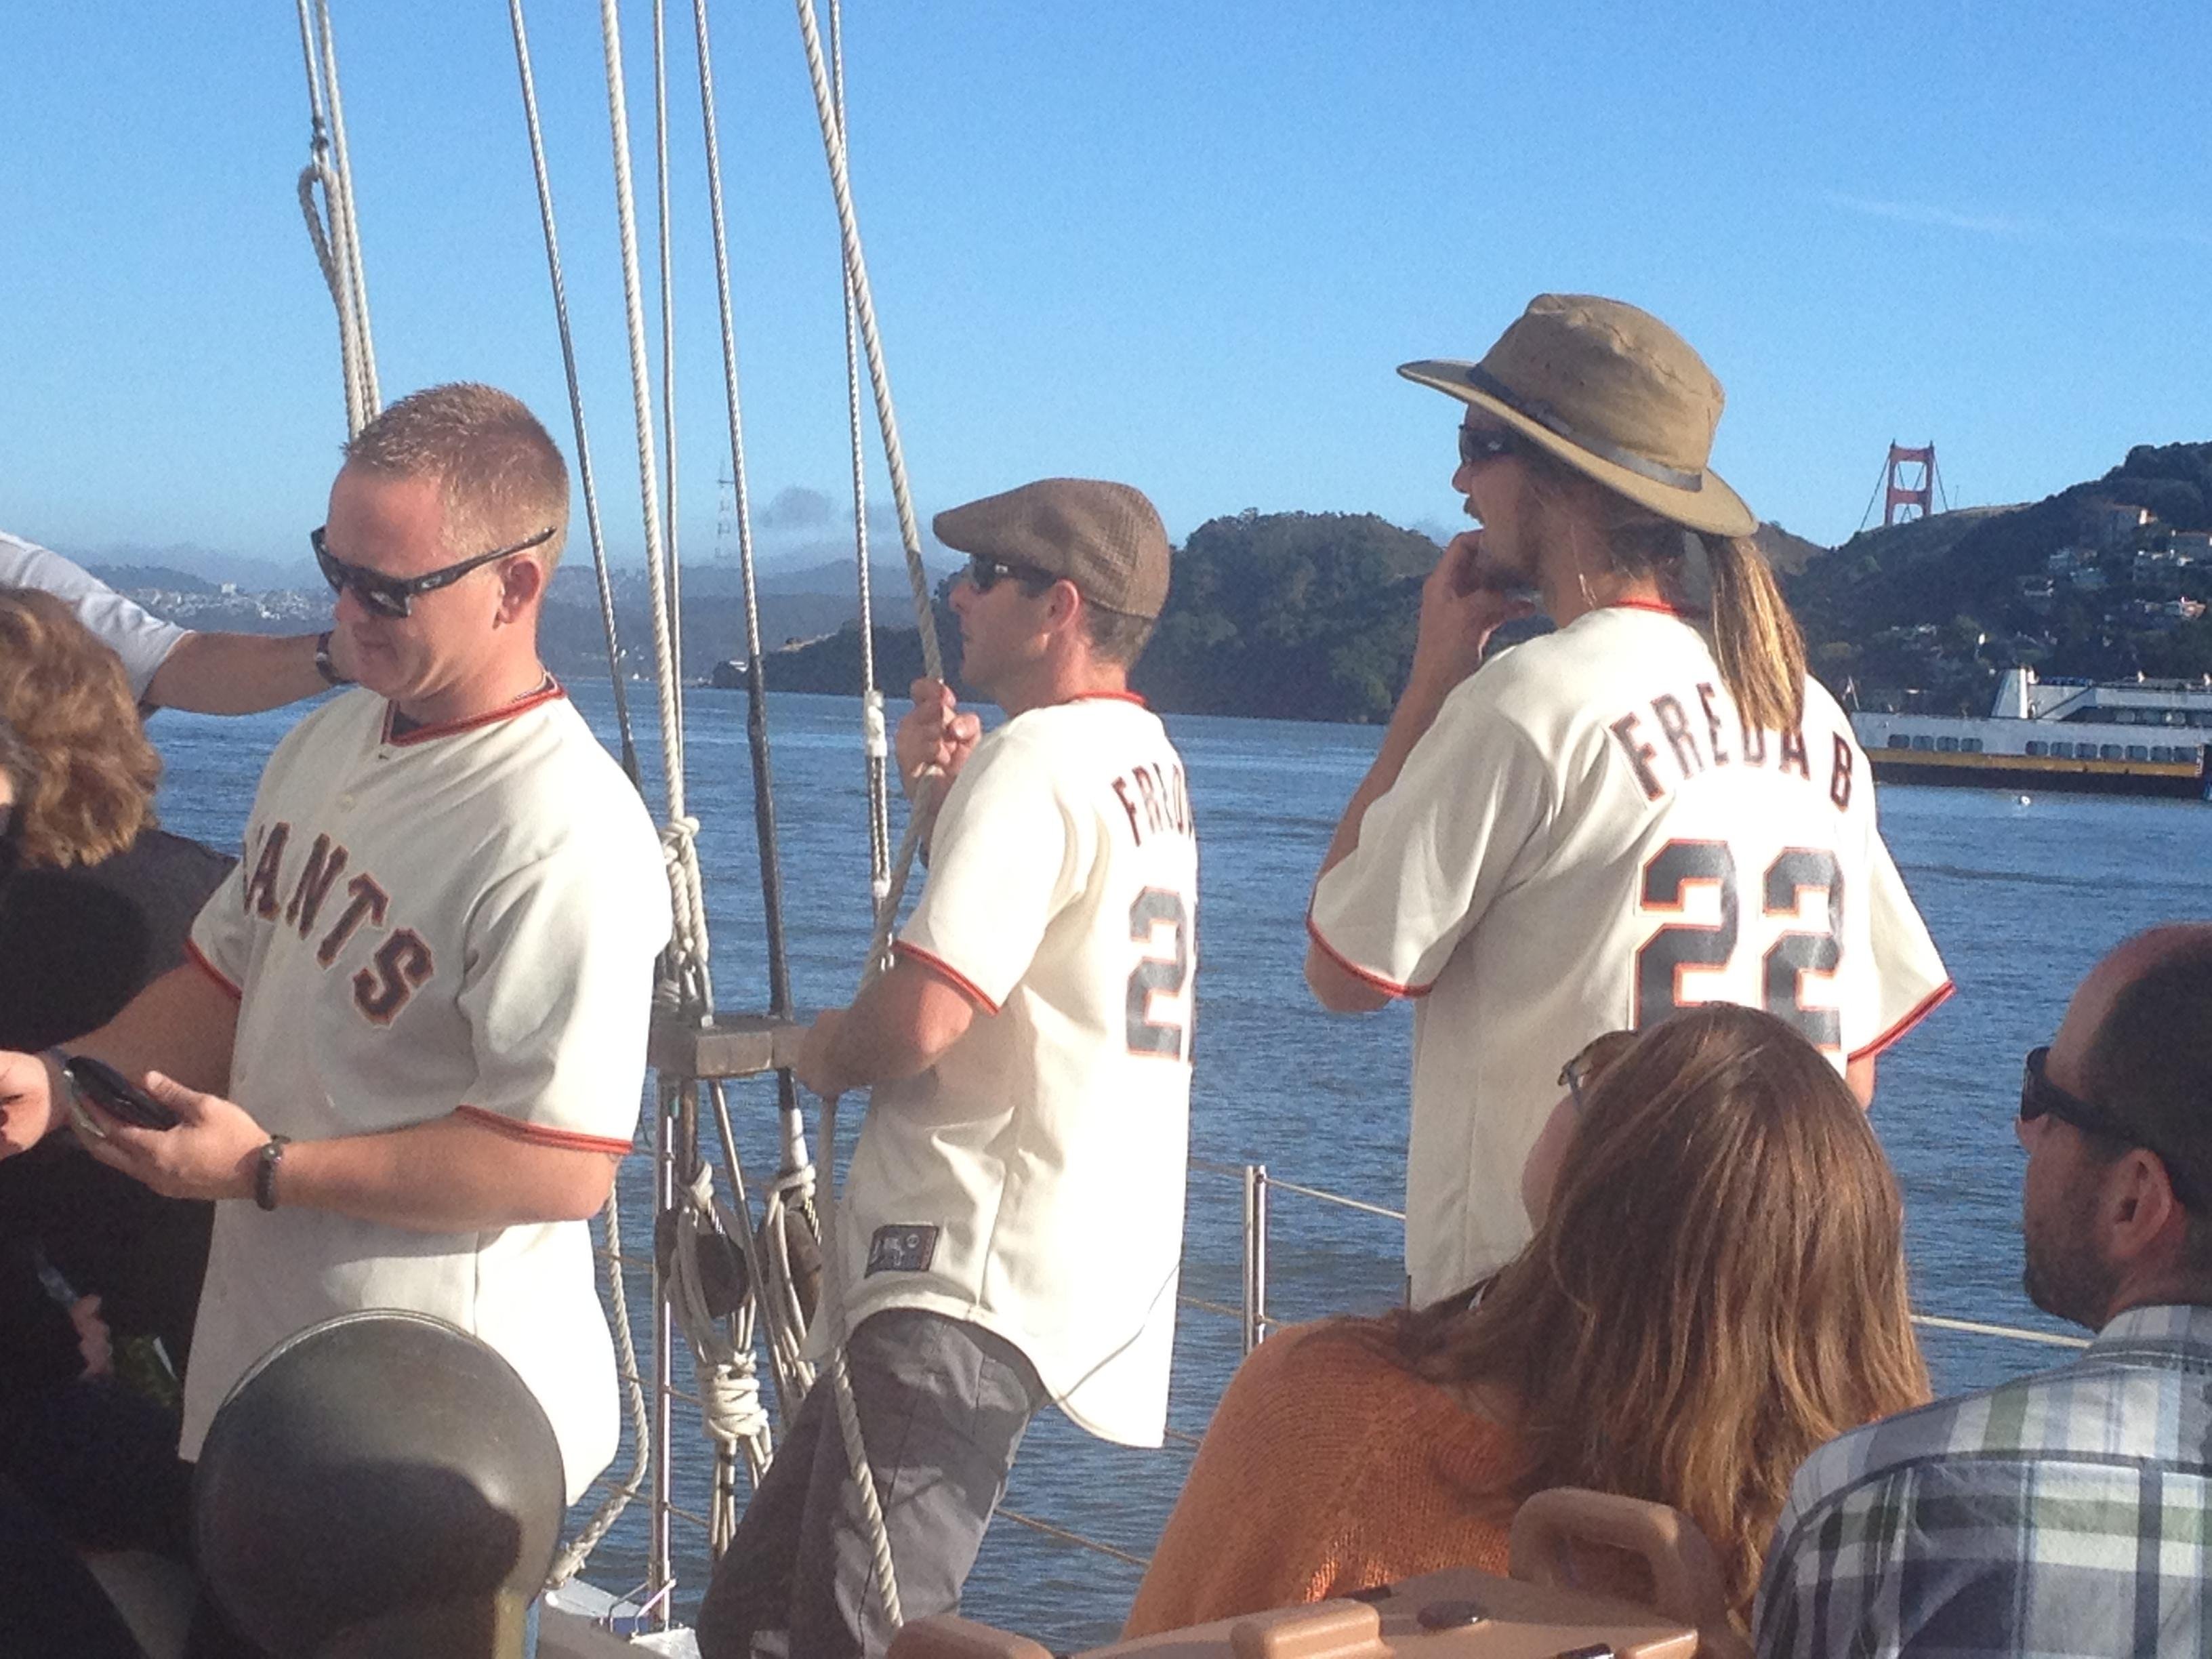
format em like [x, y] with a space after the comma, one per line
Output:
[1484, 381]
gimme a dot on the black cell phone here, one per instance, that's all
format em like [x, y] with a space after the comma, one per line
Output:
[117, 1095]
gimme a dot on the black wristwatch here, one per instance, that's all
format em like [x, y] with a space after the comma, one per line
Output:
[264, 1172]
[323, 665]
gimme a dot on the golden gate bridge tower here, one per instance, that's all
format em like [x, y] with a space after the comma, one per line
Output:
[1910, 486]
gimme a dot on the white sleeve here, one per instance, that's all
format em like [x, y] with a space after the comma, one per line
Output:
[558, 992]
[1437, 848]
[1910, 978]
[143, 641]
[1003, 861]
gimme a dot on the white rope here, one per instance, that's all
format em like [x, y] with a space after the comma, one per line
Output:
[670, 497]
[571, 1561]
[688, 952]
[874, 766]
[331, 227]
[831, 1314]
[584, 475]
[345, 240]
[742, 499]
[827, 114]
[732, 1414]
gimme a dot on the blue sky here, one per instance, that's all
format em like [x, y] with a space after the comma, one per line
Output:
[1182, 245]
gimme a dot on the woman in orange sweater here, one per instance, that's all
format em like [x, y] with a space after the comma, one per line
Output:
[1716, 1285]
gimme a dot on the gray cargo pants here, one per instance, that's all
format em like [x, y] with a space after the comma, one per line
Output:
[943, 1407]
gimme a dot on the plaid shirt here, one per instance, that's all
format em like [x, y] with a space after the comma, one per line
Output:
[2065, 1513]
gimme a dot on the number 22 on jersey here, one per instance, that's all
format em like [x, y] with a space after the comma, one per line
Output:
[1799, 904]
[1163, 970]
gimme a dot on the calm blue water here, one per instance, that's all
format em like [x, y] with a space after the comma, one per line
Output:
[2021, 900]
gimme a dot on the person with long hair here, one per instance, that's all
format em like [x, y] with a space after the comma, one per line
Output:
[99, 1278]
[1652, 807]
[1716, 1286]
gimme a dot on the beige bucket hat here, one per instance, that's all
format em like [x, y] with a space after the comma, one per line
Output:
[1106, 538]
[1614, 393]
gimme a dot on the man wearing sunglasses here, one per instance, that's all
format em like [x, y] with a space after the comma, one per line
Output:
[405, 1050]
[2066, 1512]
[1012, 1222]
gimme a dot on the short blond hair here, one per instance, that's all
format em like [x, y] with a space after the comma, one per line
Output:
[500, 475]
[66, 695]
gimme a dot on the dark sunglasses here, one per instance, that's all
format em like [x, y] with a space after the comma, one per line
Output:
[1478, 444]
[1596, 1058]
[395, 596]
[2039, 1095]
[985, 573]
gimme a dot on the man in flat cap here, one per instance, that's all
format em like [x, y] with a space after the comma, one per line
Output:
[1012, 1222]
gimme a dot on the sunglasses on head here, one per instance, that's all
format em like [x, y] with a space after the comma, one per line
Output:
[1478, 443]
[2039, 1095]
[1596, 1058]
[985, 573]
[395, 596]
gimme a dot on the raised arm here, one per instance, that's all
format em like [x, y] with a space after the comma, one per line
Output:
[1458, 616]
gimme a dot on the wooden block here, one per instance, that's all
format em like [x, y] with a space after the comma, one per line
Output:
[735, 1045]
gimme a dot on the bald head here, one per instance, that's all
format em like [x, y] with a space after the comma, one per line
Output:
[2123, 968]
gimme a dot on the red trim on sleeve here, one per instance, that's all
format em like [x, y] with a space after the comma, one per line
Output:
[199, 961]
[1387, 987]
[1926, 1007]
[540, 1134]
[946, 971]
[1659, 606]
[425, 733]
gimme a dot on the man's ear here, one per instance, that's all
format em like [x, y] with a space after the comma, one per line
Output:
[1063, 603]
[2143, 1222]
[522, 583]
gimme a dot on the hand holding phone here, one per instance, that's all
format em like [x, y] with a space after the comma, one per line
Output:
[115, 1095]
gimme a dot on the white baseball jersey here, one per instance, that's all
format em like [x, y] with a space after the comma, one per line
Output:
[1032, 1181]
[143, 641]
[1586, 840]
[463, 918]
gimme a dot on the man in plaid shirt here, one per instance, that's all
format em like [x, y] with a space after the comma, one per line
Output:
[2069, 1512]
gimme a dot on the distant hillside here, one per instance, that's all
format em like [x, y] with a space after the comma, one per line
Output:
[1308, 616]
[1941, 605]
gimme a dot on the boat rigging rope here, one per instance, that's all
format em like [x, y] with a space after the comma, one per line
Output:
[685, 988]
[789, 1201]
[584, 475]
[875, 744]
[572, 1558]
[337, 243]
[670, 519]
[831, 121]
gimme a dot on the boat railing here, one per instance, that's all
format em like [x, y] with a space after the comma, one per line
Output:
[1257, 1188]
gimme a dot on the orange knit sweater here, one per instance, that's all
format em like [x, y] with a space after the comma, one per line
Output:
[1326, 1469]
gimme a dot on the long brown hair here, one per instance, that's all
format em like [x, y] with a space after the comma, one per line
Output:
[1718, 1288]
[1756, 642]
[70, 701]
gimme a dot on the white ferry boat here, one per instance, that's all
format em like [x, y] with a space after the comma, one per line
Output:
[2129, 737]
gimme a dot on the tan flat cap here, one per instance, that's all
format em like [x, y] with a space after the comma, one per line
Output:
[1104, 537]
